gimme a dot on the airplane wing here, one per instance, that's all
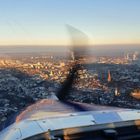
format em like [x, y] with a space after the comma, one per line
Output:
[52, 119]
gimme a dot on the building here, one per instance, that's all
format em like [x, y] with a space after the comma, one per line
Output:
[109, 77]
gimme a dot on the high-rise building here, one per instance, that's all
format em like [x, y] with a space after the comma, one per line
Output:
[117, 93]
[109, 77]
[72, 55]
[135, 55]
[127, 56]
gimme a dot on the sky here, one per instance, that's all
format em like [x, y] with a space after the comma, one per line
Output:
[43, 22]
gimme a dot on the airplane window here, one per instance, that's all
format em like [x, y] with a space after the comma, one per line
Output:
[68, 56]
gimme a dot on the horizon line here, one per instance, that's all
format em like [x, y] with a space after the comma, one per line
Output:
[62, 45]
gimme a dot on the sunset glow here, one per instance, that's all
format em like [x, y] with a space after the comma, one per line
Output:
[44, 22]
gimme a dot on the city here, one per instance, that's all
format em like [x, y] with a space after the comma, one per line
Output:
[103, 80]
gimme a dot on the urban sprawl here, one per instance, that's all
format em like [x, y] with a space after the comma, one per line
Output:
[104, 80]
